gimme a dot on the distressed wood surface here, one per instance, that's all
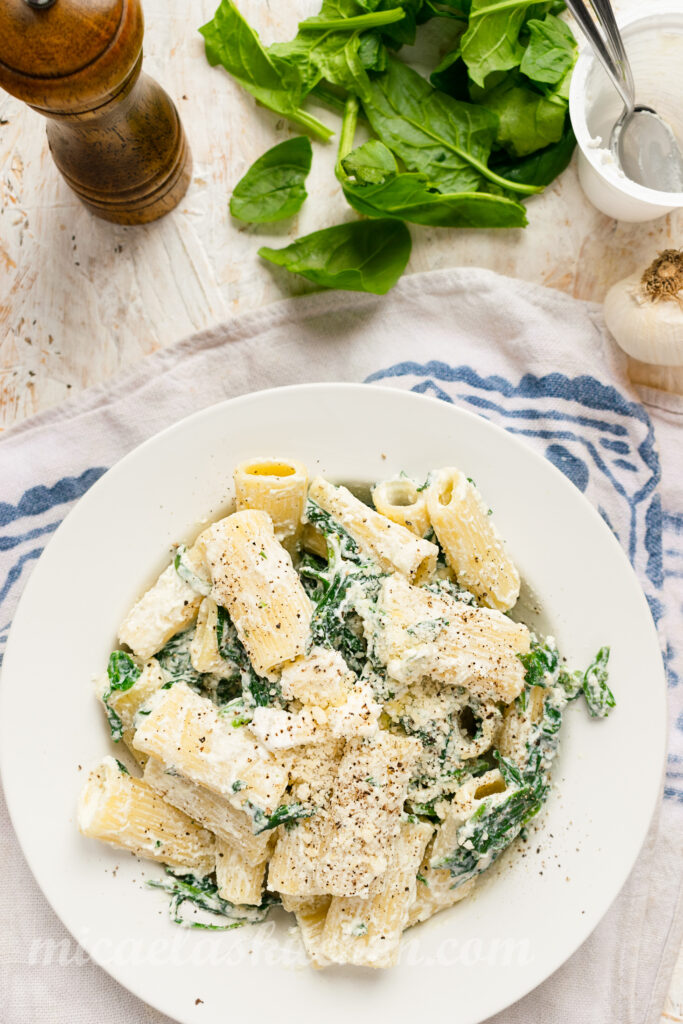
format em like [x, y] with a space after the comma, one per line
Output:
[81, 299]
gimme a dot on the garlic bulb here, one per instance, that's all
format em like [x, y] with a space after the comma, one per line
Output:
[644, 312]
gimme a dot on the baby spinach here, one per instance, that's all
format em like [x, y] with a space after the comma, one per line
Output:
[448, 140]
[380, 191]
[273, 188]
[275, 83]
[527, 120]
[542, 167]
[551, 51]
[358, 256]
[491, 42]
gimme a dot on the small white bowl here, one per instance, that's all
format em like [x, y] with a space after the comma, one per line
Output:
[655, 48]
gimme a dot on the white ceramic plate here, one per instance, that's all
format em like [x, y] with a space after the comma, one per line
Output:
[471, 961]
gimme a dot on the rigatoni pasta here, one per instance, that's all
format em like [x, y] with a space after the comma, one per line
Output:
[127, 813]
[276, 487]
[337, 717]
[474, 549]
[390, 544]
[254, 579]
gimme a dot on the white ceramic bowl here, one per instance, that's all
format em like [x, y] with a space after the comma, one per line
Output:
[529, 915]
[655, 48]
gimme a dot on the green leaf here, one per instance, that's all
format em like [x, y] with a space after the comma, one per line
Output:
[599, 697]
[409, 197]
[491, 42]
[273, 188]
[543, 166]
[359, 256]
[275, 83]
[446, 139]
[285, 814]
[371, 164]
[527, 121]
[123, 674]
[551, 51]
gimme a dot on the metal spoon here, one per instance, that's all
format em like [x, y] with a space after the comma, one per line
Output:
[643, 144]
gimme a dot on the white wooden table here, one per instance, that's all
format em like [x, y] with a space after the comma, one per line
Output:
[81, 299]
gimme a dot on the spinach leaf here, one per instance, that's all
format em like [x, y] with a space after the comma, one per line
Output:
[275, 83]
[491, 42]
[202, 893]
[599, 697]
[409, 197]
[371, 164]
[543, 166]
[551, 51]
[122, 673]
[527, 121]
[273, 188]
[446, 139]
[285, 814]
[359, 256]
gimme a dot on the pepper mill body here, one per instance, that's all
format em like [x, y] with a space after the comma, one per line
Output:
[114, 133]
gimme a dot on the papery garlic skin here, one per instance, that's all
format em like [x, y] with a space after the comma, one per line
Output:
[649, 331]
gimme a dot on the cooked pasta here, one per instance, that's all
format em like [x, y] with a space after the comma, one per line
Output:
[276, 487]
[332, 711]
[474, 549]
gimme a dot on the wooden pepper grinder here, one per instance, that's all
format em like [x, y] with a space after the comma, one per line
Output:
[114, 133]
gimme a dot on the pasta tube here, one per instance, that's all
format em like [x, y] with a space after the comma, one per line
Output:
[310, 913]
[366, 932]
[253, 577]
[402, 502]
[187, 733]
[164, 610]
[127, 813]
[391, 545]
[474, 549]
[419, 634]
[229, 824]
[238, 882]
[277, 487]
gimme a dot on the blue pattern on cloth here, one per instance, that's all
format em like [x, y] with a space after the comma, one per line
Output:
[604, 443]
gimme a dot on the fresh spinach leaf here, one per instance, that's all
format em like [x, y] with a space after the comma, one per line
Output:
[491, 42]
[527, 121]
[543, 166]
[408, 197]
[446, 139]
[273, 188]
[370, 164]
[275, 83]
[551, 51]
[359, 256]
[450, 76]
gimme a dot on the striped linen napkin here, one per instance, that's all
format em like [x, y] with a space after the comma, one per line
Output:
[534, 361]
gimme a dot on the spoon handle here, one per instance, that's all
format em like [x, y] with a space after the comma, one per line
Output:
[605, 39]
[608, 23]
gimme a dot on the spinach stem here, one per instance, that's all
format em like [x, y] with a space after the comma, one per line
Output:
[347, 134]
[361, 21]
[310, 123]
[502, 5]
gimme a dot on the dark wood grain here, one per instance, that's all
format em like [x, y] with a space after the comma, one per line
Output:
[114, 133]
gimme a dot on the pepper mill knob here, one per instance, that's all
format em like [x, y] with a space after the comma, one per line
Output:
[114, 133]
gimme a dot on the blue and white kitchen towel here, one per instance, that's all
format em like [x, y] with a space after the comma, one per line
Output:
[535, 361]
